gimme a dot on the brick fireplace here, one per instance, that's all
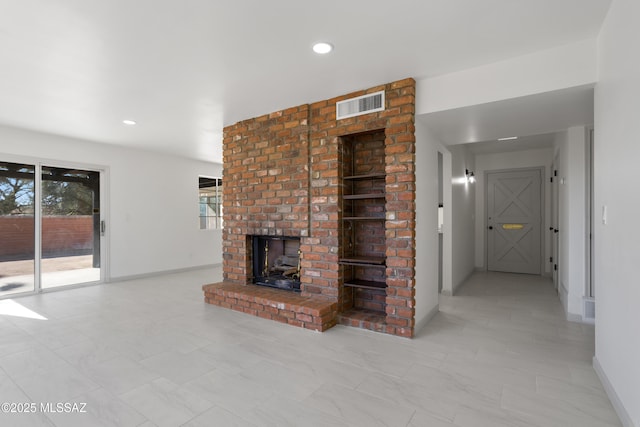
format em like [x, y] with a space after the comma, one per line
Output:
[285, 179]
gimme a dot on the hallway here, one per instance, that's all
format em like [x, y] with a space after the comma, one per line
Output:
[150, 352]
[507, 340]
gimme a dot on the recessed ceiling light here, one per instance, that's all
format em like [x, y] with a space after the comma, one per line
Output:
[509, 138]
[322, 48]
[129, 122]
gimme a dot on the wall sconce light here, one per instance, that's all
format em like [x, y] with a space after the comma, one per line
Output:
[470, 176]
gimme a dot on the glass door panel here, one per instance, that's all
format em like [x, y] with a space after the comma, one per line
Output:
[17, 228]
[70, 242]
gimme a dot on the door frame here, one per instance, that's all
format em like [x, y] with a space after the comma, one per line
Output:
[543, 177]
[590, 291]
[104, 216]
[553, 224]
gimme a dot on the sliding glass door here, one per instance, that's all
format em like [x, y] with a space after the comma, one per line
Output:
[70, 218]
[17, 228]
[50, 227]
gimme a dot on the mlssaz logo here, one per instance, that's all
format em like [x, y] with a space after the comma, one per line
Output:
[63, 407]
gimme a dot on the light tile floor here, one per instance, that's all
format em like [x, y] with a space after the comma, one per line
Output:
[149, 353]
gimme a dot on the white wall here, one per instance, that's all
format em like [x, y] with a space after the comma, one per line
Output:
[571, 152]
[545, 71]
[152, 204]
[510, 160]
[463, 201]
[617, 260]
[426, 273]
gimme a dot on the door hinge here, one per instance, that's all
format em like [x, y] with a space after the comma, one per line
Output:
[551, 179]
[555, 172]
[103, 227]
[555, 267]
[550, 259]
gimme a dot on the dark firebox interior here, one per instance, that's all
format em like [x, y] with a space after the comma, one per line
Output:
[276, 262]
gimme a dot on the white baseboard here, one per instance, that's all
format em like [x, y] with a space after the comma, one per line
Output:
[563, 293]
[160, 273]
[624, 416]
[576, 318]
[462, 282]
[426, 319]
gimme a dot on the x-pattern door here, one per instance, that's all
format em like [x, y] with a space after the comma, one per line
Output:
[514, 221]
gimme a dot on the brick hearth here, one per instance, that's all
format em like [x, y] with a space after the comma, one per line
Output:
[292, 308]
[282, 176]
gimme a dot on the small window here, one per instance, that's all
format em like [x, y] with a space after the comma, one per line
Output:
[210, 203]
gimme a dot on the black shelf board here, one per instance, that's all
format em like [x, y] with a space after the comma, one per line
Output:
[362, 264]
[366, 284]
[364, 218]
[365, 261]
[364, 196]
[366, 176]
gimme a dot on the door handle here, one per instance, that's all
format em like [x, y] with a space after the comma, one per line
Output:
[490, 227]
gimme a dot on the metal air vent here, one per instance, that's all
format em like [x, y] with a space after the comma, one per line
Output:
[360, 105]
[589, 309]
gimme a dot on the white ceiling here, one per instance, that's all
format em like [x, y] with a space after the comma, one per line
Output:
[534, 116]
[184, 69]
[530, 142]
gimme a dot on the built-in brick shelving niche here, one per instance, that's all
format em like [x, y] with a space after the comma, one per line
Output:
[363, 244]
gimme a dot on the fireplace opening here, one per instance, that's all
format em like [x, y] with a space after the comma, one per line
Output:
[276, 262]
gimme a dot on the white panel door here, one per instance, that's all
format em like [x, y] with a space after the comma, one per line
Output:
[514, 221]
